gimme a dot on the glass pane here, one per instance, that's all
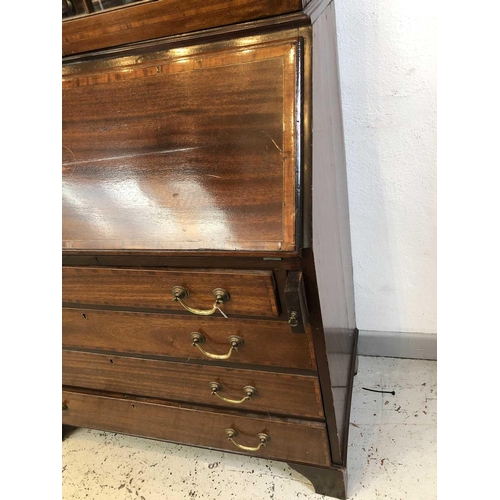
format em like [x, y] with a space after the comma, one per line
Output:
[109, 4]
[72, 8]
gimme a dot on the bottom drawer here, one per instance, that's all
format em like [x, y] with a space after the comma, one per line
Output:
[290, 440]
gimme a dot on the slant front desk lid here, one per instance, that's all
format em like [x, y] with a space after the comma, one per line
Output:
[186, 149]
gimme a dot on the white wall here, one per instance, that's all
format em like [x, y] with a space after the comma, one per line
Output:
[387, 53]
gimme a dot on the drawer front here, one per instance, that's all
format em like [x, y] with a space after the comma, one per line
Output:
[290, 440]
[251, 293]
[267, 343]
[279, 393]
[184, 149]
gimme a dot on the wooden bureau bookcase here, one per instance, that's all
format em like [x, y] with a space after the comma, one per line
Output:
[207, 276]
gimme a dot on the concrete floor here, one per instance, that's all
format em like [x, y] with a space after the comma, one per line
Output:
[392, 452]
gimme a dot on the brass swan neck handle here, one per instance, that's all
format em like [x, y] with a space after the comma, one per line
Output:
[180, 294]
[235, 342]
[263, 438]
[248, 390]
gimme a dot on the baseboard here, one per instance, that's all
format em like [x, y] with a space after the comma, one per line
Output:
[397, 344]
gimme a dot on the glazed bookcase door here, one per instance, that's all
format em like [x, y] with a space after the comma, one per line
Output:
[76, 8]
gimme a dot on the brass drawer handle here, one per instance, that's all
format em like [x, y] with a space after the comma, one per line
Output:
[221, 296]
[235, 342]
[263, 438]
[248, 390]
[64, 407]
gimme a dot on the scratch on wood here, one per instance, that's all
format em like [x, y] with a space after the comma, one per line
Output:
[136, 155]
[72, 154]
[273, 141]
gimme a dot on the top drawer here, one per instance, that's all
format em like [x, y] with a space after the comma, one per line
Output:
[251, 293]
[184, 149]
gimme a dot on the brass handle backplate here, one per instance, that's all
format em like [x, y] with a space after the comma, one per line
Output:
[234, 341]
[263, 438]
[248, 390]
[221, 296]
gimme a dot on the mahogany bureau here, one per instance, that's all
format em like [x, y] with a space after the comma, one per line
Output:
[207, 277]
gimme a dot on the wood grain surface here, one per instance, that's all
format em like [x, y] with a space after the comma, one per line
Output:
[163, 18]
[278, 393]
[291, 440]
[266, 343]
[251, 292]
[173, 150]
[236, 260]
[331, 229]
[186, 149]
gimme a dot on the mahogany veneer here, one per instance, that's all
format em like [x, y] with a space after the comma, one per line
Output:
[207, 277]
